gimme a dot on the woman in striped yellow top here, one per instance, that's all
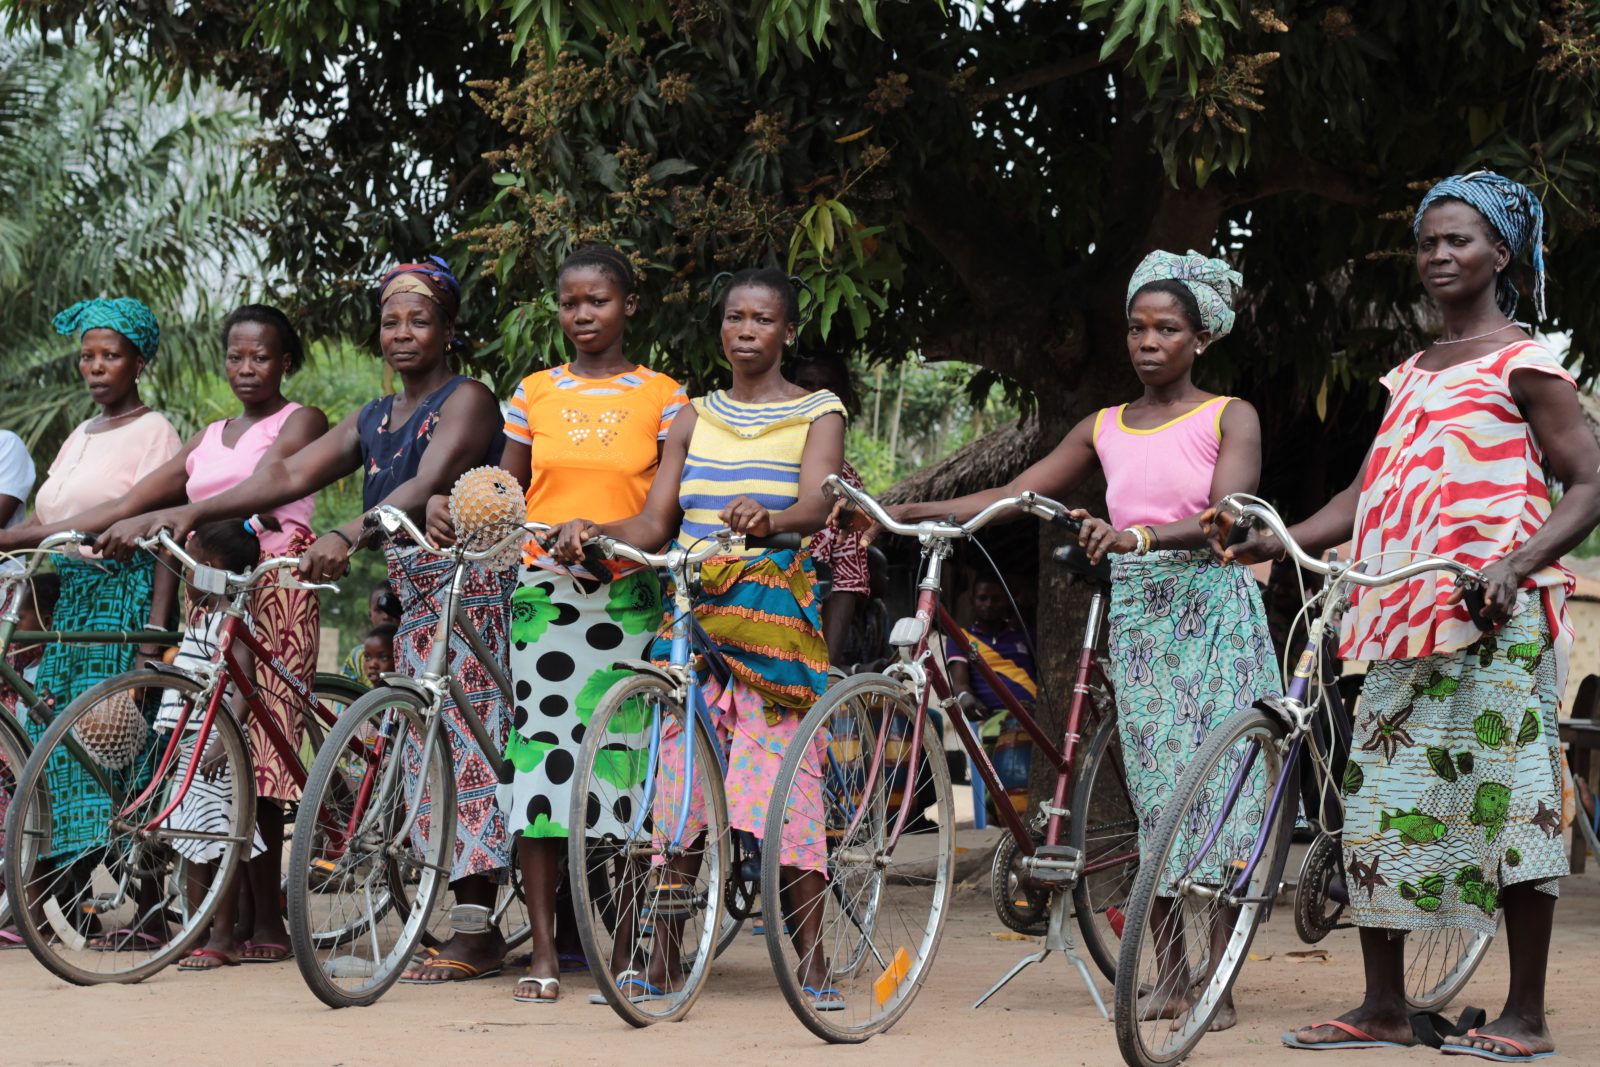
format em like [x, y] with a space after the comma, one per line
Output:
[753, 458]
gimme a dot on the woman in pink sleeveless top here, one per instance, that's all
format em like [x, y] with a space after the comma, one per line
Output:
[260, 349]
[1188, 635]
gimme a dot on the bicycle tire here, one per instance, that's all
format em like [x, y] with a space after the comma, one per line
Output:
[1209, 979]
[1430, 987]
[324, 888]
[1104, 827]
[14, 750]
[871, 910]
[690, 896]
[144, 868]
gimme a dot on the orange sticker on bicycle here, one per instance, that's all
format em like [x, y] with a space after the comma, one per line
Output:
[887, 982]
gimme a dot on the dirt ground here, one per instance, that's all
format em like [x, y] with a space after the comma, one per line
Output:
[262, 1014]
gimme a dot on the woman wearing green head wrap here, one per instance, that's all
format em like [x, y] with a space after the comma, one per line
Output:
[99, 462]
[1188, 637]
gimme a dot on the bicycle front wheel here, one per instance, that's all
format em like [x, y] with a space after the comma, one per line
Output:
[121, 840]
[1105, 830]
[372, 846]
[1440, 963]
[14, 750]
[853, 951]
[1190, 921]
[648, 850]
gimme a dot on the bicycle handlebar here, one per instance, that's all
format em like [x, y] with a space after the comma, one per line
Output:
[718, 543]
[1250, 510]
[391, 520]
[232, 582]
[1027, 501]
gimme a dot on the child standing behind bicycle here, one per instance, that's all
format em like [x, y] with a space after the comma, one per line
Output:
[1453, 796]
[1188, 637]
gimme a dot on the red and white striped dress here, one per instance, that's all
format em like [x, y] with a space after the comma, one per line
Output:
[1455, 471]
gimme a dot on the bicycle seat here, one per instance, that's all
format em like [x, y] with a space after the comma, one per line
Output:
[1076, 560]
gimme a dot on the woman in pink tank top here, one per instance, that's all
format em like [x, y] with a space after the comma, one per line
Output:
[1188, 636]
[260, 349]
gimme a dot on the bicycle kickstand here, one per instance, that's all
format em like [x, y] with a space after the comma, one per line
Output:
[1059, 938]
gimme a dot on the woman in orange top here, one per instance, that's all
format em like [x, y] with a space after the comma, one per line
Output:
[583, 438]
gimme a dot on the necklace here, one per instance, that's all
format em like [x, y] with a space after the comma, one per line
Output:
[1480, 336]
[106, 420]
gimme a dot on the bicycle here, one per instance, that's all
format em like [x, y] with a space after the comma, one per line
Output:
[1186, 884]
[187, 800]
[885, 779]
[381, 793]
[663, 896]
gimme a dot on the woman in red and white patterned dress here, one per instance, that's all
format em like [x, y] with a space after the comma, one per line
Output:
[1453, 800]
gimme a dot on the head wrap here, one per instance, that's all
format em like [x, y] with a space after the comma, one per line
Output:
[431, 278]
[1514, 213]
[1210, 280]
[129, 317]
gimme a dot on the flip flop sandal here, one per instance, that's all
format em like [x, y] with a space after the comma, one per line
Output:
[1430, 1028]
[10, 940]
[633, 978]
[466, 971]
[277, 953]
[1520, 1053]
[574, 963]
[205, 954]
[538, 994]
[117, 940]
[829, 999]
[1358, 1039]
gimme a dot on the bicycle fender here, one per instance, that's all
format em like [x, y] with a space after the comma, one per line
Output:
[169, 671]
[644, 666]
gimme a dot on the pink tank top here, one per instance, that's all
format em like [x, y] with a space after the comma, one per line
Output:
[1159, 475]
[214, 467]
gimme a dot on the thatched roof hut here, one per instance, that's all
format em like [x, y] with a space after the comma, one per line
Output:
[991, 460]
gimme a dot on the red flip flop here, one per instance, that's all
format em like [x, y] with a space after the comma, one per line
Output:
[205, 954]
[1358, 1039]
[277, 953]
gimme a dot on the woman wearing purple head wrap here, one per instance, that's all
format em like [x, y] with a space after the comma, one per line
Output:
[1474, 421]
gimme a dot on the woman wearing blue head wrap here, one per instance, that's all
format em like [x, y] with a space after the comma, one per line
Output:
[1457, 470]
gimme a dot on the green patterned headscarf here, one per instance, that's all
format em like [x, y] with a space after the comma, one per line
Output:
[1210, 280]
[129, 317]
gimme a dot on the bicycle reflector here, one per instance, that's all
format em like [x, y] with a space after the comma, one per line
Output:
[113, 731]
[484, 504]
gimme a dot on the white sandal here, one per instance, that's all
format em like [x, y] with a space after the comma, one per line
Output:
[538, 997]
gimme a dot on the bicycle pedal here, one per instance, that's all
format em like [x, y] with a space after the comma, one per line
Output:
[471, 919]
[675, 902]
[1055, 864]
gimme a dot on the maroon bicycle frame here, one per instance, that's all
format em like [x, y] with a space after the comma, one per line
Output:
[231, 632]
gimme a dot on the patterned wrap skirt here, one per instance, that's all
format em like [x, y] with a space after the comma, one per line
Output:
[420, 580]
[565, 635]
[1188, 647]
[762, 614]
[95, 595]
[288, 623]
[1453, 791]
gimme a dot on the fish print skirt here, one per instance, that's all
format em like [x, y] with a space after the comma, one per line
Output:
[1453, 791]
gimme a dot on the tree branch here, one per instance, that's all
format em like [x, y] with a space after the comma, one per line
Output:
[1070, 67]
[1301, 175]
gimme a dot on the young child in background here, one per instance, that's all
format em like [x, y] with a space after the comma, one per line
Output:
[383, 609]
[377, 652]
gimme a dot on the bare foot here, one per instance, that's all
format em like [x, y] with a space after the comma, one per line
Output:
[1532, 1037]
[1225, 1018]
[1394, 1027]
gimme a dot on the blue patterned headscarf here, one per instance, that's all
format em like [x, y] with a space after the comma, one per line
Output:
[129, 317]
[1210, 280]
[1514, 213]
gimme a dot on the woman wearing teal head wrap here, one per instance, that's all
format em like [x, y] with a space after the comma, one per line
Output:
[100, 461]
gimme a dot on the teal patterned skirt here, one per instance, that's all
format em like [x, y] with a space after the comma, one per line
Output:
[95, 595]
[1188, 646]
[1453, 791]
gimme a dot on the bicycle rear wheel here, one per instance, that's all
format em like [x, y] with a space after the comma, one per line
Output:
[878, 922]
[1105, 830]
[371, 850]
[1189, 924]
[1440, 963]
[115, 864]
[648, 851]
[14, 749]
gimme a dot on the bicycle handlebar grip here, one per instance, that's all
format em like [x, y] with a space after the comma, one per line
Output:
[1238, 535]
[594, 561]
[1472, 597]
[775, 542]
[1067, 522]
